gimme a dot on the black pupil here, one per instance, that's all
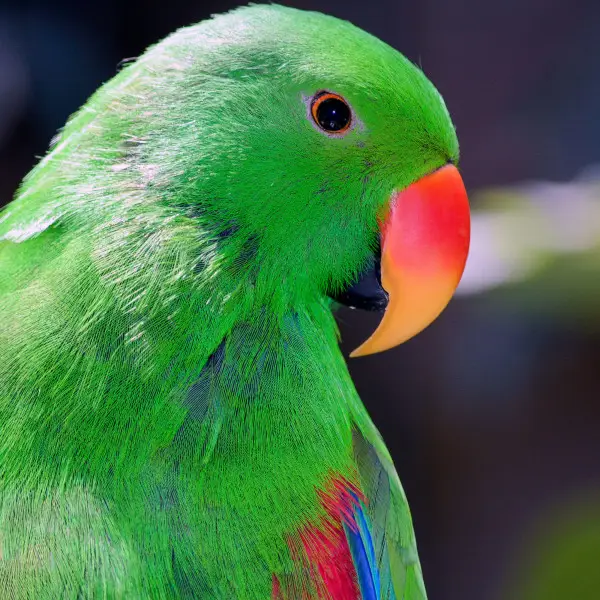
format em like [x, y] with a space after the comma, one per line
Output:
[333, 114]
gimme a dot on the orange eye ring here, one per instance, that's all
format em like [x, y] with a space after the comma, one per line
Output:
[331, 113]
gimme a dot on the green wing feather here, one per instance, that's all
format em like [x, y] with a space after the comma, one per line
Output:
[390, 519]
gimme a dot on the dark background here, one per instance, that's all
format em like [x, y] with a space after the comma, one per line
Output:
[492, 414]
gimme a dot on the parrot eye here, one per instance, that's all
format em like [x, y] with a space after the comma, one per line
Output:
[331, 112]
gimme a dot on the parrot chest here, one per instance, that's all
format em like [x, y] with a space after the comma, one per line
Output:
[275, 469]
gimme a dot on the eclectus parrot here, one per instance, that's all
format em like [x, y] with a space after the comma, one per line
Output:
[176, 417]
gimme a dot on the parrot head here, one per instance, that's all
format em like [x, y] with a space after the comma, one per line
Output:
[335, 156]
[318, 160]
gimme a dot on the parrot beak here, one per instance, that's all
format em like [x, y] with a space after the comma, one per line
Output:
[424, 245]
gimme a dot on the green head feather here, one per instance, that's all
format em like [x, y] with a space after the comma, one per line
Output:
[212, 125]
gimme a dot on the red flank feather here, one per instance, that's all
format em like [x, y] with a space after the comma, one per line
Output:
[325, 548]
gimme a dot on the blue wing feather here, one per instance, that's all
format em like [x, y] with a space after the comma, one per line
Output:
[365, 532]
[360, 543]
[363, 555]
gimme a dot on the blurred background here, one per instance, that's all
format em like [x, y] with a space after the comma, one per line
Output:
[492, 414]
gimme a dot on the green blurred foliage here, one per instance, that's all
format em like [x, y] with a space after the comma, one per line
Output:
[560, 561]
[536, 248]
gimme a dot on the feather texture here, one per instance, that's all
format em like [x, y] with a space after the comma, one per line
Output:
[363, 556]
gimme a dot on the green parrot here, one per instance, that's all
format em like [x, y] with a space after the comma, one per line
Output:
[176, 417]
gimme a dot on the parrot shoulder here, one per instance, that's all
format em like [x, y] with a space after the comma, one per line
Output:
[387, 519]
